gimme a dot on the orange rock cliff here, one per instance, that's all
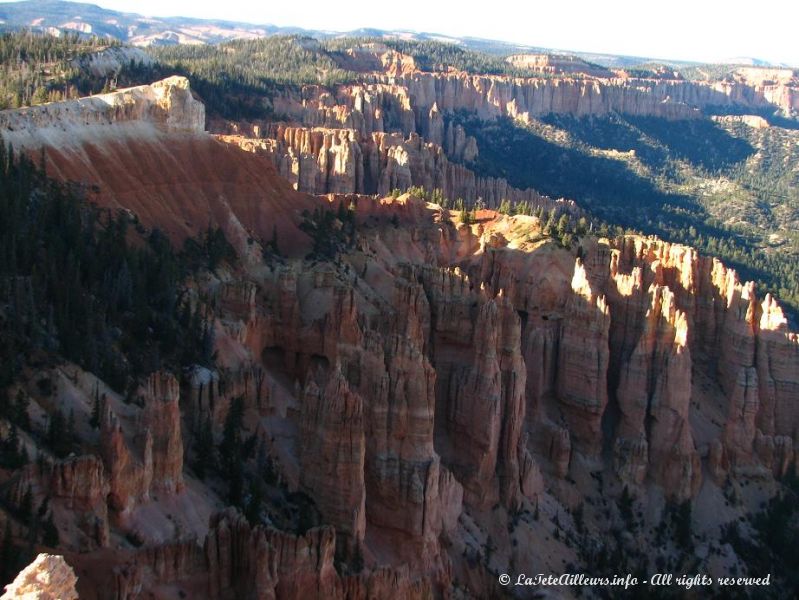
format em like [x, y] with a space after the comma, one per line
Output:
[443, 392]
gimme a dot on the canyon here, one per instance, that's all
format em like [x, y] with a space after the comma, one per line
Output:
[398, 126]
[450, 395]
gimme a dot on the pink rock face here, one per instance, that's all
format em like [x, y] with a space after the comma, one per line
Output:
[153, 463]
[778, 376]
[740, 429]
[654, 395]
[583, 363]
[332, 448]
[669, 306]
[263, 563]
[414, 101]
[161, 418]
[75, 490]
[129, 478]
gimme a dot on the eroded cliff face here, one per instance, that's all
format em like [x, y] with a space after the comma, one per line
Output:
[445, 395]
[144, 149]
[167, 104]
[321, 161]
[415, 101]
[394, 129]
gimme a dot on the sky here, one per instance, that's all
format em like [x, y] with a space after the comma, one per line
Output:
[700, 30]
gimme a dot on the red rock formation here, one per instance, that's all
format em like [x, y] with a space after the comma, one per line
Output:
[724, 325]
[331, 450]
[153, 463]
[129, 476]
[777, 371]
[320, 161]
[418, 98]
[448, 367]
[76, 490]
[245, 562]
[402, 467]
[654, 395]
[740, 429]
[583, 363]
[161, 419]
[144, 150]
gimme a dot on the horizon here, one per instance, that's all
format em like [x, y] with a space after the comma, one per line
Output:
[620, 27]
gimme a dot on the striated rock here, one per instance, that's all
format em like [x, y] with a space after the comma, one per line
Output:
[778, 372]
[322, 160]
[583, 363]
[75, 489]
[740, 430]
[189, 180]
[558, 449]
[129, 476]
[48, 577]
[332, 448]
[448, 368]
[81, 485]
[776, 453]
[245, 562]
[153, 463]
[726, 327]
[402, 468]
[160, 418]
[654, 395]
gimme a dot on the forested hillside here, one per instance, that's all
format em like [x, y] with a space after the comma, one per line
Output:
[729, 189]
[726, 187]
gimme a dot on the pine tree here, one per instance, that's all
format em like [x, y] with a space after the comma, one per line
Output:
[97, 409]
[204, 449]
[20, 415]
[50, 535]
[26, 506]
[230, 452]
[58, 434]
[8, 554]
[253, 509]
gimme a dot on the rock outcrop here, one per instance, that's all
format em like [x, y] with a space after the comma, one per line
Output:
[583, 363]
[167, 104]
[48, 577]
[416, 99]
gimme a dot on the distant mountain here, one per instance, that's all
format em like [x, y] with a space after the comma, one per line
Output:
[55, 16]
[750, 61]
